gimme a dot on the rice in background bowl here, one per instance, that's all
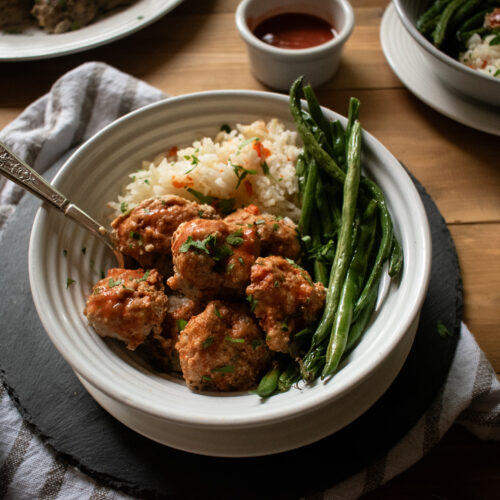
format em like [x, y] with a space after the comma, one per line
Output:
[252, 163]
[482, 56]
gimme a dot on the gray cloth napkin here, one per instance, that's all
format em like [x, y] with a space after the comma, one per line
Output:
[79, 104]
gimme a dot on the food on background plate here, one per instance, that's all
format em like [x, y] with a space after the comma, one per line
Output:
[56, 16]
[467, 30]
[262, 284]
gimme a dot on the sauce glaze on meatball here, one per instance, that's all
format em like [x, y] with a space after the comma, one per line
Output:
[222, 348]
[284, 298]
[128, 305]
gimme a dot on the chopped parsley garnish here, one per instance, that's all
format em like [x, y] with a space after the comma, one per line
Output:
[206, 378]
[70, 282]
[217, 312]
[253, 302]
[112, 282]
[207, 342]
[279, 217]
[127, 288]
[225, 128]
[181, 324]
[284, 325]
[497, 72]
[235, 239]
[201, 246]
[235, 341]
[259, 222]
[241, 261]
[97, 291]
[145, 277]
[442, 329]
[134, 235]
[123, 207]
[256, 343]
[224, 369]
[247, 142]
[307, 278]
[200, 214]
[293, 263]
[265, 168]
[146, 181]
[241, 173]
[276, 284]
[225, 205]
[230, 267]
[194, 161]
[275, 226]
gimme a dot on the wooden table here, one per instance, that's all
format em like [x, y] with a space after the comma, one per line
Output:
[197, 47]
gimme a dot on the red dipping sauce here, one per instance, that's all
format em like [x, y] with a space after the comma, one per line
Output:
[294, 31]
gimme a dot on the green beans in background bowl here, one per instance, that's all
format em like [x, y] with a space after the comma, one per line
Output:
[446, 19]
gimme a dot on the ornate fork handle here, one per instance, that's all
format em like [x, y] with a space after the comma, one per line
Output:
[19, 172]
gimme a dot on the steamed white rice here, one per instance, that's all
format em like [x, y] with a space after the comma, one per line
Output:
[267, 151]
[482, 56]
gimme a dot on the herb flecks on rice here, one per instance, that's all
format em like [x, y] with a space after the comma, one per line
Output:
[252, 163]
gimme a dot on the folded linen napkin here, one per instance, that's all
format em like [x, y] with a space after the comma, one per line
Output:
[79, 104]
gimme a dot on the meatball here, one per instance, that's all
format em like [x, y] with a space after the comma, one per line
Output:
[128, 305]
[212, 258]
[57, 16]
[145, 233]
[222, 349]
[284, 298]
[278, 235]
[14, 12]
[161, 348]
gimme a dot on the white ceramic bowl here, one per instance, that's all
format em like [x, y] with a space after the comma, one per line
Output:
[451, 72]
[277, 67]
[159, 406]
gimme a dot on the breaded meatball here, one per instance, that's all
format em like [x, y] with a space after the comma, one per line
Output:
[222, 349]
[212, 259]
[161, 348]
[145, 233]
[284, 298]
[128, 305]
[278, 235]
[56, 16]
[14, 12]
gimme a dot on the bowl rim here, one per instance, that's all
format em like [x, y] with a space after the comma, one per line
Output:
[85, 369]
[439, 54]
[242, 11]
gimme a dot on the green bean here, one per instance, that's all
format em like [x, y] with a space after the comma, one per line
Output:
[396, 260]
[476, 21]
[359, 326]
[313, 363]
[316, 113]
[439, 33]
[352, 116]
[384, 247]
[339, 143]
[431, 13]
[301, 172]
[269, 382]
[290, 376]
[324, 208]
[308, 199]
[323, 159]
[357, 267]
[463, 13]
[427, 28]
[344, 245]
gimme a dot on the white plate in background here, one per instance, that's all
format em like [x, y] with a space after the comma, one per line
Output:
[409, 64]
[34, 43]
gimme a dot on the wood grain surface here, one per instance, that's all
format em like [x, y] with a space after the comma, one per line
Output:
[197, 47]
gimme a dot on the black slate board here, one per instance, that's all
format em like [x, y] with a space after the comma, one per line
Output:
[52, 399]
